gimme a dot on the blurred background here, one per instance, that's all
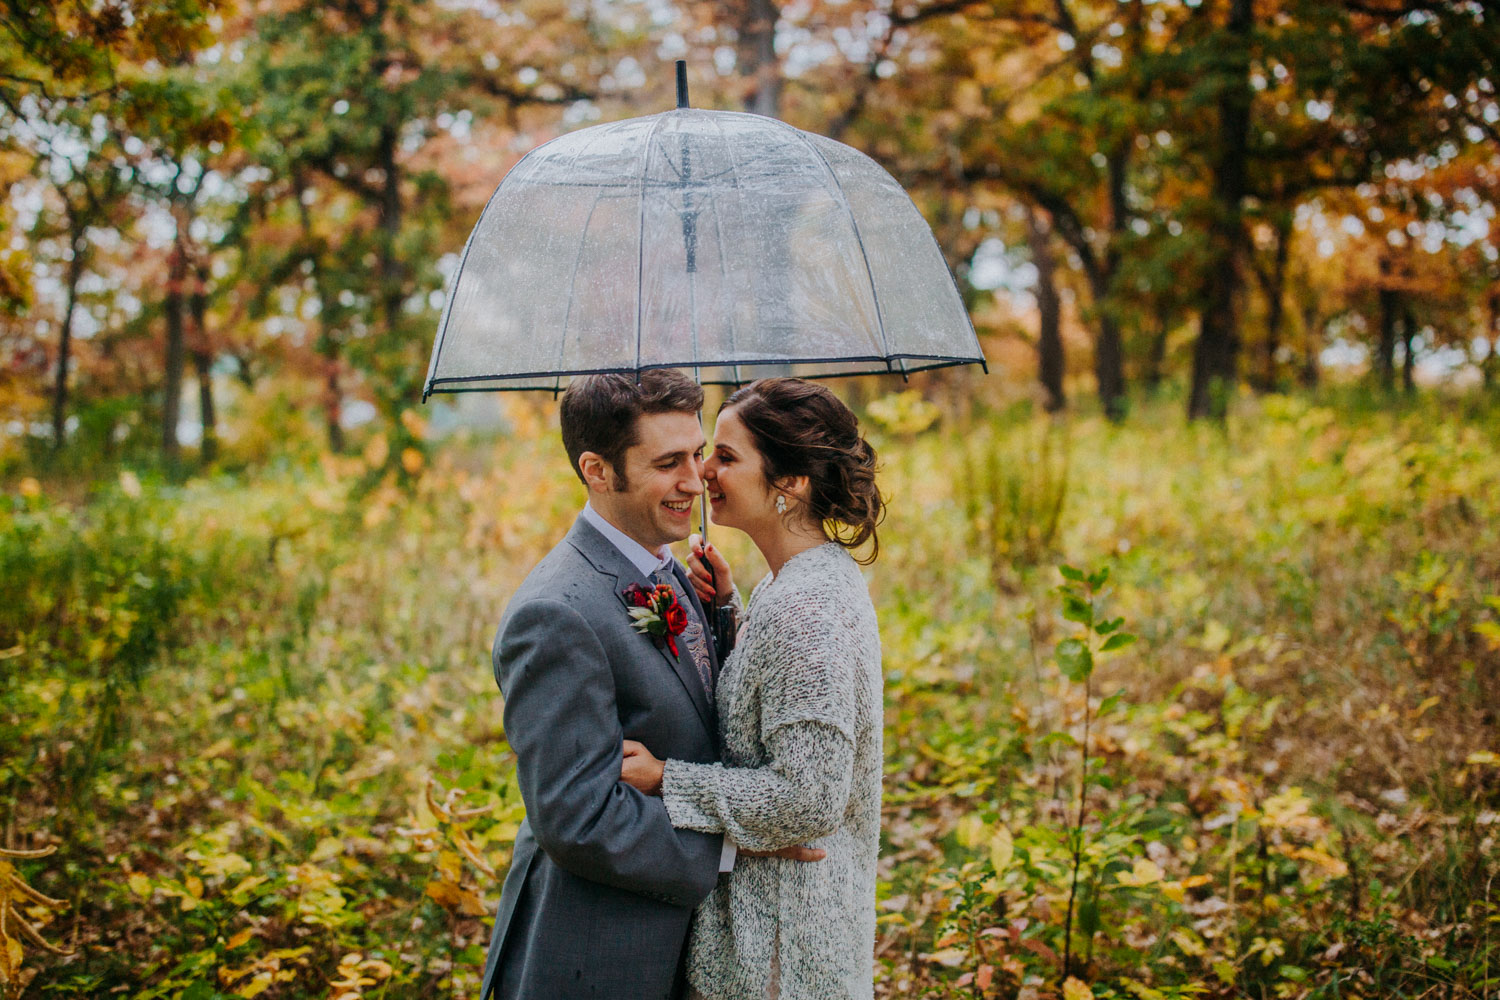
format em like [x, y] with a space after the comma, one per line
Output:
[1236, 268]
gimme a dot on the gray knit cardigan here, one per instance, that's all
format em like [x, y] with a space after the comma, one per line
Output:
[800, 716]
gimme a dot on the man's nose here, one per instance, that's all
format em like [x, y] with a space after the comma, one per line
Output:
[694, 483]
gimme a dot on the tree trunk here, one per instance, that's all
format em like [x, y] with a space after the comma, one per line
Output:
[1491, 361]
[1216, 354]
[1051, 362]
[756, 31]
[1109, 352]
[1312, 346]
[1408, 357]
[1385, 353]
[333, 397]
[1275, 288]
[1156, 354]
[172, 389]
[203, 363]
[65, 344]
[1109, 357]
[390, 227]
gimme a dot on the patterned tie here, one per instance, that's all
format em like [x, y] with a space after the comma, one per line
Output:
[697, 644]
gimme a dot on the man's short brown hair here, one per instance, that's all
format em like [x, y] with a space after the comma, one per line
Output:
[600, 412]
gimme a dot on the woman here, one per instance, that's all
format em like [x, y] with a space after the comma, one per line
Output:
[799, 702]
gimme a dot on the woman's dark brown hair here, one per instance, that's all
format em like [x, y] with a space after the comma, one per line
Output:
[802, 429]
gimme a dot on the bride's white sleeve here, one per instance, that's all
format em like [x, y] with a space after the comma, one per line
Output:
[798, 796]
[806, 672]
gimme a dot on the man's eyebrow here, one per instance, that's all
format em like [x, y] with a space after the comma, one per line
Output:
[674, 455]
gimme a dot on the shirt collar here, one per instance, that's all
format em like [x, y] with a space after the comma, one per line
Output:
[640, 557]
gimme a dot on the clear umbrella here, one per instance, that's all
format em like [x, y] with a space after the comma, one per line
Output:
[727, 243]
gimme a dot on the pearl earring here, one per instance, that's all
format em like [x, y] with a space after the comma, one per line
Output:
[780, 504]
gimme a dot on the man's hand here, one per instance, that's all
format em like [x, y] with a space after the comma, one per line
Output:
[640, 770]
[797, 852]
[698, 573]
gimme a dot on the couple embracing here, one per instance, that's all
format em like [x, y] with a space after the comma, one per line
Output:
[701, 822]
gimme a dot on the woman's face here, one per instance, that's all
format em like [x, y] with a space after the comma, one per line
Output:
[735, 477]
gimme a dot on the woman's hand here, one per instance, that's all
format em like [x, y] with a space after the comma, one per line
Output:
[698, 571]
[640, 770]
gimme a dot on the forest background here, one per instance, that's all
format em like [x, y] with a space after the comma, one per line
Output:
[1235, 263]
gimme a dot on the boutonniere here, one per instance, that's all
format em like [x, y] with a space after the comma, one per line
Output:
[655, 611]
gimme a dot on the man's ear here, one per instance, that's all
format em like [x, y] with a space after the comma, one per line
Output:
[597, 474]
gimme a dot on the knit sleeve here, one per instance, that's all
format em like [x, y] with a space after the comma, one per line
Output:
[812, 669]
[799, 795]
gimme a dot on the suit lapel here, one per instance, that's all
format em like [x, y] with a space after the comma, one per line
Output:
[611, 562]
[696, 608]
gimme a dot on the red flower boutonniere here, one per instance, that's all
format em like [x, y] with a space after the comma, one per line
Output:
[655, 611]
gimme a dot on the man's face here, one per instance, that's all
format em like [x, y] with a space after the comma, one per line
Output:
[662, 476]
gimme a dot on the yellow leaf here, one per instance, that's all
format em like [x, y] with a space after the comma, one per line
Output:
[466, 847]
[247, 884]
[194, 886]
[377, 451]
[328, 847]
[1190, 943]
[1002, 849]
[30, 488]
[219, 748]
[140, 885]
[969, 830]
[411, 461]
[1145, 872]
[256, 986]
[240, 938]
[224, 864]
[949, 958]
[1482, 757]
[456, 897]
[414, 424]
[1076, 989]
[377, 968]
[1330, 865]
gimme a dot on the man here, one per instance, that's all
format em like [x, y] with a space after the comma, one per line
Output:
[601, 887]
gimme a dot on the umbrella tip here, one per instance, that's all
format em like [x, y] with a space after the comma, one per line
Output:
[682, 94]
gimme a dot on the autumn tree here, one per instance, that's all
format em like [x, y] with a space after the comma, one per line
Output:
[366, 112]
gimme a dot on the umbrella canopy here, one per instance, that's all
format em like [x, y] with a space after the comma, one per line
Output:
[728, 243]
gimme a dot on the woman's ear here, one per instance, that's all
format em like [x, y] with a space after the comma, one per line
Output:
[596, 472]
[798, 488]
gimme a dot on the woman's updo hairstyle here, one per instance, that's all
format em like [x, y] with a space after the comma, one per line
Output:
[802, 429]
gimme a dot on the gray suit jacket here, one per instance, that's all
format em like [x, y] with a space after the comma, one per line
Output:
[601, 888]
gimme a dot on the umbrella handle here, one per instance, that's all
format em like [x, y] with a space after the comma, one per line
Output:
[721, 619]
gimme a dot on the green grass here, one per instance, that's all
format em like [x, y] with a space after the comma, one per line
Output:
[252, 711]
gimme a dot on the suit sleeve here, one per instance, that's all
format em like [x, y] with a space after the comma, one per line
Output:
[562, 721]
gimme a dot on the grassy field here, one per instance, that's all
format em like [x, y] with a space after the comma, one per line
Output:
[255, 717]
